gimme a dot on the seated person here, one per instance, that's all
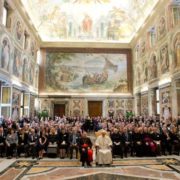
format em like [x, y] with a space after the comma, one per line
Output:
[52, 142]
[32, 143]
[103, 144]
[118, 140]
[42, 143]
[22, 142]
[11, 142]
[63, 143]
[74, 142]
[85, 146]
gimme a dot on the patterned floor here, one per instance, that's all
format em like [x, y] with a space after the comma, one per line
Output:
[56, 169]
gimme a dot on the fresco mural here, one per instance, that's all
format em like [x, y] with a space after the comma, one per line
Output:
[26, 69]
[17, 63]
[76, 20]
[5, 53]
[16, 103]
[82, 72]
[153, 67]
[164, 58]
[161, 27]
[177, 50]
[19, 30]
[31, 74]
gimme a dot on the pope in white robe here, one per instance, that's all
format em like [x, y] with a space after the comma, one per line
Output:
[103, 144]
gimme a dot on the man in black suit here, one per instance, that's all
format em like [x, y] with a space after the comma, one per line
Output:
[32, 143]
[2, 141]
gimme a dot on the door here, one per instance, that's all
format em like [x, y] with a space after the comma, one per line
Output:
[95, 108]
[59, 110]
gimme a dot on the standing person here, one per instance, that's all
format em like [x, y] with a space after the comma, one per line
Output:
[2, 141]
[85, 146]
[103, 145]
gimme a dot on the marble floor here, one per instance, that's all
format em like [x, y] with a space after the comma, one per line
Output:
[167, 167]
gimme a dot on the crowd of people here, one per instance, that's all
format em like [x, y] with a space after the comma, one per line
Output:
[67, 137]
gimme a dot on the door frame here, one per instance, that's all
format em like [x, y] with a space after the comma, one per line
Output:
[96, 100]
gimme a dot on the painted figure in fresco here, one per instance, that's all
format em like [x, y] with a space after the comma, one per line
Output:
[25, 70]
[143, 48]
[19, 30]
[15, 104]
[31, 75]
[96, 78]
[164, 59]
[145, 72]
[87, 24]
[177, 50]
[5, 54]
[166, 112]
[162, 26]
[17, 63]
[153, 68]
[32, 49]
[165, 98]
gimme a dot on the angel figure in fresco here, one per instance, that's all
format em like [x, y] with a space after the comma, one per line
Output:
[87, 24]
[5, 54]
[164, 59]
[177, 50]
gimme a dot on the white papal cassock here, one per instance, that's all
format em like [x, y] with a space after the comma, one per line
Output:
[104, 154]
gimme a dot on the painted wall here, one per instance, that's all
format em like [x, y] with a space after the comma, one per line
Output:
[86, 73]
[18, 66]
[156, 56]
[17, 53]
[78, 106]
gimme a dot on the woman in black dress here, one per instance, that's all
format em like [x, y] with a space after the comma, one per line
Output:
[42, 144]
[63, 143]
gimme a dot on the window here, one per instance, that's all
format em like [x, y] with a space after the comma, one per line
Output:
[157, 102]
[5, 13]
[5, 106]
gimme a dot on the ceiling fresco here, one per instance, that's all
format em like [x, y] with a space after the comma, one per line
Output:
[88, 20]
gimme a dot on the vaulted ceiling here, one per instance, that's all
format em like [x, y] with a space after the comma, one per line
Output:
[88, 20]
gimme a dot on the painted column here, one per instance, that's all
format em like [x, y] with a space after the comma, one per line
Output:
[137, 106]
[152, 102]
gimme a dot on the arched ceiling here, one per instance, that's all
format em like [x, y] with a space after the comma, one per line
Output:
[88, 20]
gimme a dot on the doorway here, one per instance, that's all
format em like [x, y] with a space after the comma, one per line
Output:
[59, 110]
[95, 108]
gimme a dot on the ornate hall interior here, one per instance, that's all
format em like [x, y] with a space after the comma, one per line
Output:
[89, 66]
